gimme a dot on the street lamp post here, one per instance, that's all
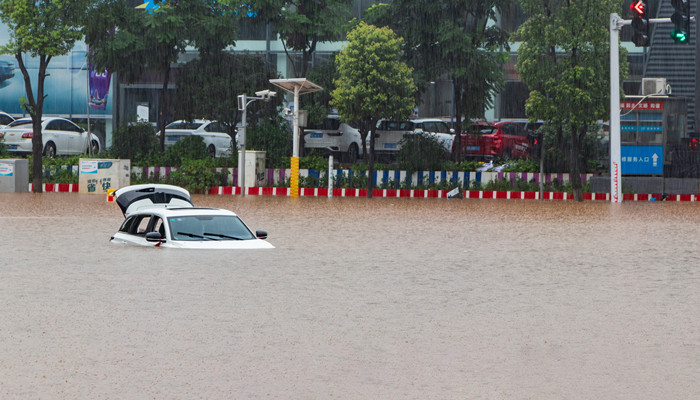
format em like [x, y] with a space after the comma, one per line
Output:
[295, 86]
[243, 102]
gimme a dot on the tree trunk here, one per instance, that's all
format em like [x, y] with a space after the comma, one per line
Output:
[458, 121]
[574, 165]
[370, 161]
[164, 110]
[34, 106]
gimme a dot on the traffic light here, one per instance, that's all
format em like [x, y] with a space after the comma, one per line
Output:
[681, 21]
[640, 22]
[536, 142]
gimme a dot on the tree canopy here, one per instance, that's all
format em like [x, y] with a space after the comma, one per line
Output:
[373, 82]
[453, 38]
[303, 24]
[40, 29]
[130, 41]
[563, 59]
[209, 88]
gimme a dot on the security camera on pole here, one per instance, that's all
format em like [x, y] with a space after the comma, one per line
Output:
[243, 102]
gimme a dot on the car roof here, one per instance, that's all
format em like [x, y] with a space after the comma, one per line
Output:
[168, 212]
[133, 198]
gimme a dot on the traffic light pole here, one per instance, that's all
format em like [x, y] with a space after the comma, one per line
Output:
[616, 23]
[697, 73]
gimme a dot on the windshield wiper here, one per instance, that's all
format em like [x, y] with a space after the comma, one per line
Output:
[223, 236]
[192, 235]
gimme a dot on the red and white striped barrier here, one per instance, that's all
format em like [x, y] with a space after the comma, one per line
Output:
[406, 193]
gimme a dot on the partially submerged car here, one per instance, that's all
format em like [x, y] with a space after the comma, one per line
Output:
[164, 216]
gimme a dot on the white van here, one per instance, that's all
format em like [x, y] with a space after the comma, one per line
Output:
[331, 136]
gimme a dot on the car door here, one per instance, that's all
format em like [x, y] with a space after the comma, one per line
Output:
[52, 133]
[76, 136]
[515, 138]
[135, 227]
[216, 135]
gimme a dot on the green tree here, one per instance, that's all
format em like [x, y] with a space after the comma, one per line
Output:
[461, 42]
[208, 87]
[563, 59]
[303, 24]
[130, 42]
[373, 83]
[43, 30]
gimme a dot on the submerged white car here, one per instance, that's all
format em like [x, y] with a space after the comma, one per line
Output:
[164, 216]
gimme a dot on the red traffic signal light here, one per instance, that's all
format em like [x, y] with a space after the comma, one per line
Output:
[638, 7]
[640, 23]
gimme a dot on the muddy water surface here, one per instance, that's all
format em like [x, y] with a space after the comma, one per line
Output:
[361, 299]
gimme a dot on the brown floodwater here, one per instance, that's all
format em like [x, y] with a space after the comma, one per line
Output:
[361, 299]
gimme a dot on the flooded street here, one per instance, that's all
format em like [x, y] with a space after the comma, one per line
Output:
[361, 299]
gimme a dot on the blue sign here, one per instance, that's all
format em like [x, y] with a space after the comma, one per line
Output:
[642, 160]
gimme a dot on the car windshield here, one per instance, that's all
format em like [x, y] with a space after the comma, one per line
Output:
[208, 227]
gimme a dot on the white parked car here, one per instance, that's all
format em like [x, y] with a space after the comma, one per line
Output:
[163, 216]
[388, 135]
[59, 136]
[331, 136]
[217, 141]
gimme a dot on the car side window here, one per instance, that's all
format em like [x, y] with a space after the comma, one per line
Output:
[214, 127]
[509, 129]
[127, 224]
[158, 226]
[5, 119]
[69, 126]
[54, 125]
[141, 225]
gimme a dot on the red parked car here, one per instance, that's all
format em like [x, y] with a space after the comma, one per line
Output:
[504, 140]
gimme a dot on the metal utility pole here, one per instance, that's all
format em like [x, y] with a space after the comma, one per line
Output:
[696, 104]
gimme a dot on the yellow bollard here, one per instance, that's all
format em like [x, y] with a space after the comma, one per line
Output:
[110, 195]
[294, 179]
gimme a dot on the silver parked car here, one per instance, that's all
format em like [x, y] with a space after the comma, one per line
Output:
[59, 136]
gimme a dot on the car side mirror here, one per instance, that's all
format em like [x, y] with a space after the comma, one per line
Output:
[154, 237]
[261, 234]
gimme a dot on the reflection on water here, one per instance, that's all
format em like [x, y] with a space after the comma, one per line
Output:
[380, 299]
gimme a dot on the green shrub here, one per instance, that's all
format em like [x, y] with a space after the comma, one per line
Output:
[187, 148]
[197, 176]
[134, 142]
[275, 139]
[421, 152]
[314, 161]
